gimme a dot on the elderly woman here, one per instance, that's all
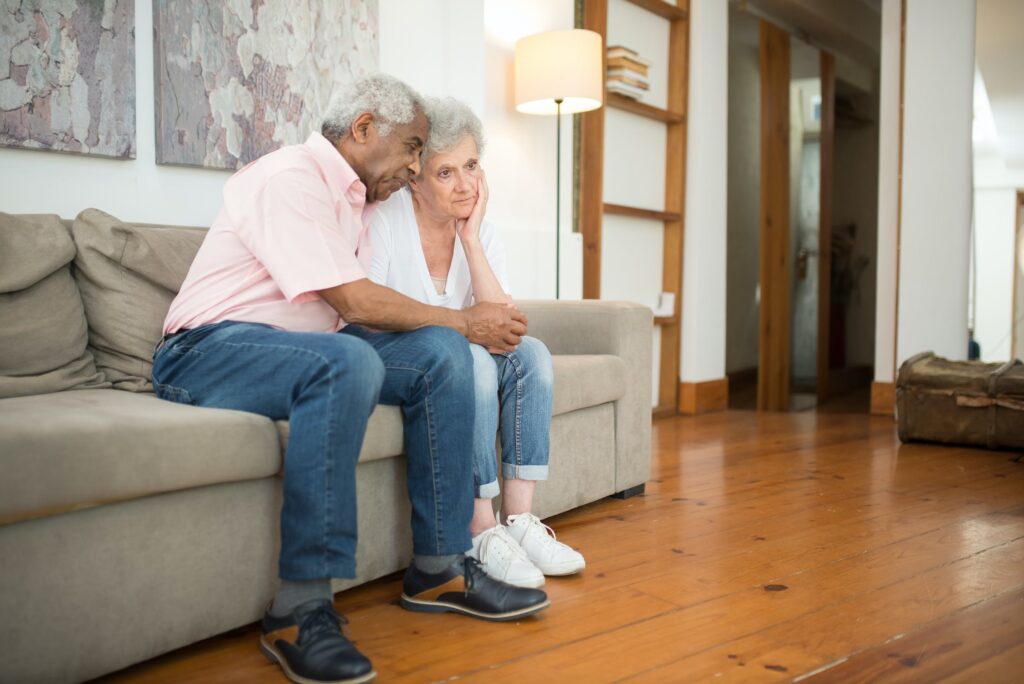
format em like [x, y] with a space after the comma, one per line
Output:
[432, 242]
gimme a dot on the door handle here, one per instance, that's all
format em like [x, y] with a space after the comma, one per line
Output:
[802, 257]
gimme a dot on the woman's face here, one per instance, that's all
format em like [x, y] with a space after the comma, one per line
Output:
[448, 185]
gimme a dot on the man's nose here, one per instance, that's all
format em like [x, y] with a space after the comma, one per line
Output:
[414, 167]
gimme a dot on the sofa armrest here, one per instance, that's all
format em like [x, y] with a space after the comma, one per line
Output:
[625, 330]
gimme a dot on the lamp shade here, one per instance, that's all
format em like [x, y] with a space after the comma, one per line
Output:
[559, 65]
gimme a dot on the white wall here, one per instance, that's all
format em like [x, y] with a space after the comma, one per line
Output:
[704, 265]
[440, 48]
[937, 187]
[995, 189]
[995, 213]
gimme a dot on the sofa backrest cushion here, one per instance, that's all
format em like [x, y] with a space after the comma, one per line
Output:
[43, 333]
[128, 274]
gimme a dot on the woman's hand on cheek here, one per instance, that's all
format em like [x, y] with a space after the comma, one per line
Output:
[469, 229]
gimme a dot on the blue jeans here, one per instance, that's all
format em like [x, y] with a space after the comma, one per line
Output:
[513, 394]
[327, 385]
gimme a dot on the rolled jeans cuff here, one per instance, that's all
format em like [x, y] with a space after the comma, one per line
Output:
[511, 471]
[488, 491]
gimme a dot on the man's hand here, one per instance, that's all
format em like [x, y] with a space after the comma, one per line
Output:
[499, 327]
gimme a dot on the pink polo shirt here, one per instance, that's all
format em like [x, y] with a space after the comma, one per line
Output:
[293, 222]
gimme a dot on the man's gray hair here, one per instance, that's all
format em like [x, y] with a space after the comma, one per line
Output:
[389, 100]
[450, 122]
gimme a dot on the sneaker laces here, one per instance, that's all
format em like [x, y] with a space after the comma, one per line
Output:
[498, 538]
[548, 535]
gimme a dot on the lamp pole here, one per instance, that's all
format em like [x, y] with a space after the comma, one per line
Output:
[558, 197]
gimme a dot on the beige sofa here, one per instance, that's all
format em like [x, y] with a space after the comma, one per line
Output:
[131, 526]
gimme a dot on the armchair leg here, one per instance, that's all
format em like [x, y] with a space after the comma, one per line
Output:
[631, 492]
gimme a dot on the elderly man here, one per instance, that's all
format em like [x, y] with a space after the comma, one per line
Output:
[256, 328]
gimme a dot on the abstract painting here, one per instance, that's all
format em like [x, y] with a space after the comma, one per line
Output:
[236, 79]
[67, 76]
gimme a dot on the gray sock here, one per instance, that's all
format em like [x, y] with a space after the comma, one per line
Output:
[291, 595]
[435, 564]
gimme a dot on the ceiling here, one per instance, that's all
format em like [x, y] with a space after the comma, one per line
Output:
[999, 51]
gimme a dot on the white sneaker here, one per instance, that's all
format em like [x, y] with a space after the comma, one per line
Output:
[503, 560]
[538, 540]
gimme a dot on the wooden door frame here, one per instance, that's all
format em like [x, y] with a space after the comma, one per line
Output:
[774, 320]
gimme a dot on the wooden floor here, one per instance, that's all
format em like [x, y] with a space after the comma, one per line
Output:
[768, 548]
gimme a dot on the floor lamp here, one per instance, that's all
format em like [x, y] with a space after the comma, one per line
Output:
[559, 72]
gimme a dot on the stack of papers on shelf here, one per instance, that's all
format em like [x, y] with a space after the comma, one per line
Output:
[627, 73]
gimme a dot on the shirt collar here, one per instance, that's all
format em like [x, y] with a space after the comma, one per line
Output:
[340, 176]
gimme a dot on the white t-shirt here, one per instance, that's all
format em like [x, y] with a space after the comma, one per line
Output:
[397, 258]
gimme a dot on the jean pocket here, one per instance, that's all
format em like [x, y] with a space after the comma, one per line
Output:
[175, 394]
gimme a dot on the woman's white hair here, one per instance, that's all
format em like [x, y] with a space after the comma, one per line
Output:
[450, 122]
[389, 100]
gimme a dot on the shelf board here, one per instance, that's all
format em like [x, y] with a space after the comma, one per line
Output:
[661, 8]
[637, 212]
[622, 102]
[664, 320]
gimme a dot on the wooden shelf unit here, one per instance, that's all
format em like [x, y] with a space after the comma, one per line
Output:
[663, 9]
[658, 114]
[591, 181]
[637, 212]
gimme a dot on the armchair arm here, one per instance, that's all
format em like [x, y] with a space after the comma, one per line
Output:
[625, 330]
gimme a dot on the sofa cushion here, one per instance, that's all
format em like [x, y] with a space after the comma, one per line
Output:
[83, 448]
[128, 275]
[584, 380]
[43, 333]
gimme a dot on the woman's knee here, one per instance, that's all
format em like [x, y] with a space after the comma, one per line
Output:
[485, 373]
[535, 359]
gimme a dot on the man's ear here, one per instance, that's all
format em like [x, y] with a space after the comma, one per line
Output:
[361, 127]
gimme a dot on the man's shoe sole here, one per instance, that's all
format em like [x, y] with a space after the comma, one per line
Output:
[271, 654]
[443, 607]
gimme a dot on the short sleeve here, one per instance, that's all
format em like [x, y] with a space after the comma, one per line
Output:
[381, 244]
[291, 226]
[494, 250]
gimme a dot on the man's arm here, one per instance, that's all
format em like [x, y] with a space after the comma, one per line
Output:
[376, 306]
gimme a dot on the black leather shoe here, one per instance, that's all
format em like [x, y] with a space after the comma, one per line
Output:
[310, 647]
[470, 591]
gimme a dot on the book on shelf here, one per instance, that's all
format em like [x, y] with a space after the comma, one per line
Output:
[625, 89]
[615, 51]
[629, 65]
[628, 78]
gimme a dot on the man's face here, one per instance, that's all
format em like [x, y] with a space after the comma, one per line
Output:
[392, 160]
